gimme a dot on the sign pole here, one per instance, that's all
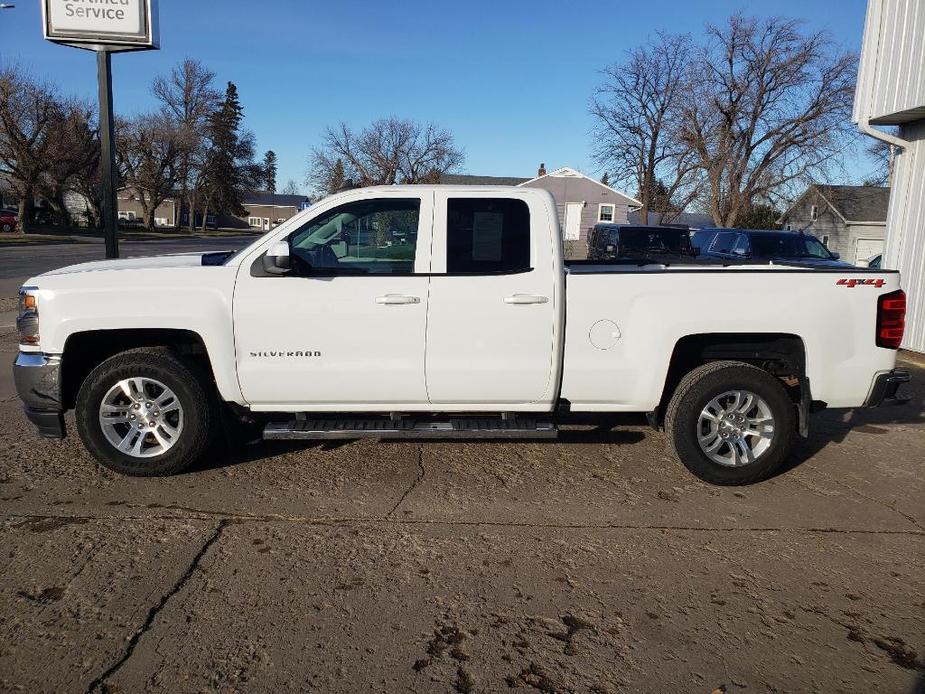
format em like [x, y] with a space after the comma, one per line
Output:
[109, 205]
[122, 25]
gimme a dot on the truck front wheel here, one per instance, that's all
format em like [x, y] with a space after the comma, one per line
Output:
[146, 412]
[730, 423]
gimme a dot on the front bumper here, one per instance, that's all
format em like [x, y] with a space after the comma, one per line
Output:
[38, 383]
[884, 393]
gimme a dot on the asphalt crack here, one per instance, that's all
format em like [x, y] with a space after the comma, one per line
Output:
[349, 520]
[414, 483]
[881, 502]
[97, 685]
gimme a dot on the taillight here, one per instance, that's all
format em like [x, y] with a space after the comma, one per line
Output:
[891, 319]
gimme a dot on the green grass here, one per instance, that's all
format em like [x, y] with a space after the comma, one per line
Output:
[45, 236]
[398, 252]
[34, 239]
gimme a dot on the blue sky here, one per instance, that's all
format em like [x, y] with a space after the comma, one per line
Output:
[510, 79]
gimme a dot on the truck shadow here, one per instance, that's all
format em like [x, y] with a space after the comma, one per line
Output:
[594, 429]
[833, 426]
[827, 427]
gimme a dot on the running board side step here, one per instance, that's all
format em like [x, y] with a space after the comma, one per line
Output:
[409, 428]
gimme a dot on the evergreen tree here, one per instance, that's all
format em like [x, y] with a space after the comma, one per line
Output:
[605, 179]
[760, 216]
[269, 171]
[230, 167]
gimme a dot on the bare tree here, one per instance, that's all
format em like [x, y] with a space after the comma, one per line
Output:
[768, 107]
[188, 98]
[29, 112]
[291, 188]
[884, 154]
[149, 150]
[389, 150]
[637, 112]
[73, 153]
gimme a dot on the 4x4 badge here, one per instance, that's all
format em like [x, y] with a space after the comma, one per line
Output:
[855, 283]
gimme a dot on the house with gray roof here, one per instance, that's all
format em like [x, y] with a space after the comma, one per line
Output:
[692, 220]
[849, 220]
[467, 180]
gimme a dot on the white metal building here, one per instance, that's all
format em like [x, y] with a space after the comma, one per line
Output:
[891, 91]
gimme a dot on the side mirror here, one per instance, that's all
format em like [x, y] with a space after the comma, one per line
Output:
[836, 256]
[277, 261]
[739, 252]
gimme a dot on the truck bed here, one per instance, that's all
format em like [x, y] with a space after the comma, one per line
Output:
[623, 322]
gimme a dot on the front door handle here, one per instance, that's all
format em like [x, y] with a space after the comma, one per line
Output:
[526, 299]
[394, 299]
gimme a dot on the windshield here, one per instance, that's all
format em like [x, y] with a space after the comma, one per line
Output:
[788, 246]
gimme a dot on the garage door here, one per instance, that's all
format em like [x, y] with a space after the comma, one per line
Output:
[867, 249]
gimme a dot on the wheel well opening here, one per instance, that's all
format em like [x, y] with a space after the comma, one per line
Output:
[84, 351]
[780, 354]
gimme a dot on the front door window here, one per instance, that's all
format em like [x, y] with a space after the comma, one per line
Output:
[365, 237]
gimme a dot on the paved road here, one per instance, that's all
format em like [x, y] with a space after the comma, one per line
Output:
[18, 263]
[591, 564]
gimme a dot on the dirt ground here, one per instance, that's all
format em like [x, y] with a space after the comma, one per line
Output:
[592, 564]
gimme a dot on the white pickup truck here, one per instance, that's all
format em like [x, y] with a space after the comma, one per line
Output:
[447, 312]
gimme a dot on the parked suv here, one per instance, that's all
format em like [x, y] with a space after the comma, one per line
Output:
[637, 242]
[761, 245]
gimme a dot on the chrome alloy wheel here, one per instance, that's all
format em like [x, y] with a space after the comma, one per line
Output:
[141, 417]
[735, 428]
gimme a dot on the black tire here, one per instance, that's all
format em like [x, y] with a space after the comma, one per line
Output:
[697, 389]
[192, 388]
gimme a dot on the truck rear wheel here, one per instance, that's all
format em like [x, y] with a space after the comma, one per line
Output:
[146, 412]
[730, 423]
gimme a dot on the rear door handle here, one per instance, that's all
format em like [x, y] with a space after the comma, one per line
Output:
[394, 299]
[526, 299]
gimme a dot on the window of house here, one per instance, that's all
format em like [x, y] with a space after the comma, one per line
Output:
[255, 222]
[127, 215]
[280, 220]
[813, 212]
[487, 236]
[606, 213]
[160, 221]
[363, 237]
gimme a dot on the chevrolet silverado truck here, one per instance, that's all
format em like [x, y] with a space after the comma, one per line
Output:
[447, 312]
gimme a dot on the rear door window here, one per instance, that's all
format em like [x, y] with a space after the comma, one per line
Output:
[487, 236]
[723, 242]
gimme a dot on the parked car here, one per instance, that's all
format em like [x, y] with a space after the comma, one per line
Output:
[7, 221]
[478, 329]
[765, 246]
[639, 242]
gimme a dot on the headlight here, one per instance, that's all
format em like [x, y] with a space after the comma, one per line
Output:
[28, 321]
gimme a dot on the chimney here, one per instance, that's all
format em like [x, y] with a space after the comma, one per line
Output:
[542, 171]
